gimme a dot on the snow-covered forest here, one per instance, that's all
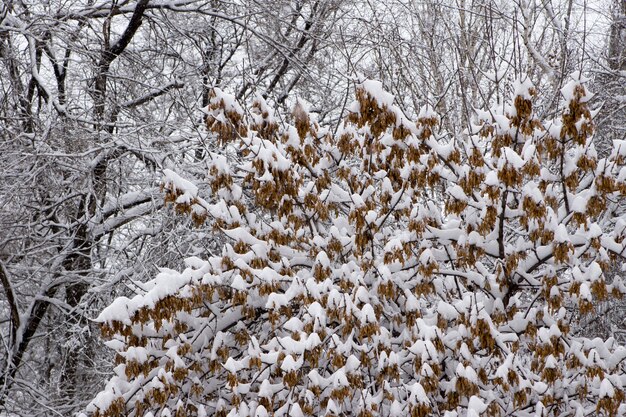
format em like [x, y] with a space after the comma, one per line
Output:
[312, 208]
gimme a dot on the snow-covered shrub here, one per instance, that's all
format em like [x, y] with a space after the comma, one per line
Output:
[384, 268]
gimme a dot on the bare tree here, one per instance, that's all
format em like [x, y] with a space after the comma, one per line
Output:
[95, 100]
